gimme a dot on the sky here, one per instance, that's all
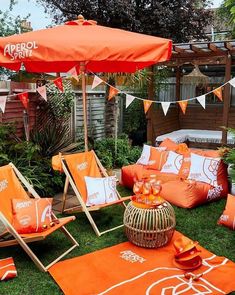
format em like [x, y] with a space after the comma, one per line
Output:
[38, 18]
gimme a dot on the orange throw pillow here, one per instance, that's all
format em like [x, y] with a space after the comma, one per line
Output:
[228, 216]
[169, 144]
[7, 269]
[157, 159]
[32, 215]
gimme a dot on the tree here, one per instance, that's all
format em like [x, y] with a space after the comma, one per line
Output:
[9, 25]
[176, 19]
[226, 13]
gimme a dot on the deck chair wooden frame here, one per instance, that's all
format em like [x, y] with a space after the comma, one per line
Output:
[82, 206]
[19, 240]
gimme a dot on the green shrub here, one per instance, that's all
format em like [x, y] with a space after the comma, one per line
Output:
[116, 154]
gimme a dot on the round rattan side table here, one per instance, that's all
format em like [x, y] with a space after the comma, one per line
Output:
[149, 227]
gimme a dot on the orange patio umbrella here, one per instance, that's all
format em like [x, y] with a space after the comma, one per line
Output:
[85, 45]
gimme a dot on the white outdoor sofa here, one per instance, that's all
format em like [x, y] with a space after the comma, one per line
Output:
[196, 136]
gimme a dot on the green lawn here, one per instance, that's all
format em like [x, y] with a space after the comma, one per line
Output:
[199, 224]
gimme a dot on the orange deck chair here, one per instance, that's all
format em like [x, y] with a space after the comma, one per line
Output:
[14, 189]
[76, 167]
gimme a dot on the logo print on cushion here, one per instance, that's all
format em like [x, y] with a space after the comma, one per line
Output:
[173, 163]
[210, 169]
[111, 194]
[46, 213]
[25, 220]
[214, 193]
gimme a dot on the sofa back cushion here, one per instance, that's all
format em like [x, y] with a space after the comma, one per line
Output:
[204, 169]
[157, 159]
[169, 144]
[173, 163]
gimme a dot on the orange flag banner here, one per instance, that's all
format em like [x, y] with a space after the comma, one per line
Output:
[59, 84]
[24, 98]
[147, 105]
[183, 105]
[112, 92]
[218, 93]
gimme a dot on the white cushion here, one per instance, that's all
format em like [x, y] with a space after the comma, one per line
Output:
[100, 190]
[145, 155]
[173, 163]
[204, 169]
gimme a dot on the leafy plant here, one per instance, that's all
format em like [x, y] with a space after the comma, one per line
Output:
[116, 154]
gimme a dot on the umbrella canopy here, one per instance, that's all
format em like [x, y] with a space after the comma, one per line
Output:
[104, 49]
[82, 44]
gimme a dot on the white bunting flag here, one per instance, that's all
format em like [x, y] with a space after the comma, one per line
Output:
[96, 82]
[42, 91]
[129, 99]
[202, 100]
[73, 73]
[3, 100]
[165, 106]
[232, 82]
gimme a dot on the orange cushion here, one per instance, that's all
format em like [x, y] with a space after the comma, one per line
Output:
[157, 159]
[189, 194]
[32, 215]
[169, 144]
[7, 269]
[182, 148]
[228, 216]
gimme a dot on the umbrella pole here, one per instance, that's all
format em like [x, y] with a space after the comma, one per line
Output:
[82, 70]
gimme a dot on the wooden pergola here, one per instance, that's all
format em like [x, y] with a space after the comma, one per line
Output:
[204, 53]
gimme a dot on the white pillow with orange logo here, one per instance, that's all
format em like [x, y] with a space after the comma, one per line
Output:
[31, 215]
[173, 163]
[204, 169]
[100, 190]
[146, 152]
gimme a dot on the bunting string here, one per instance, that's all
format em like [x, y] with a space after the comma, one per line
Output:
[113, 91]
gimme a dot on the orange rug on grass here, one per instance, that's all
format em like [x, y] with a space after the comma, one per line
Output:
[128, 269]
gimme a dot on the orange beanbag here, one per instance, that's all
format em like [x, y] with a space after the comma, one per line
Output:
[131, 173]
[7, 269]
[157, 159]
[169, 144]
[32, 215]
[189, 194]
[228, 216]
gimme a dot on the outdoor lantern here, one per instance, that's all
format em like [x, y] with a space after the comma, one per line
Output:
[195, 77]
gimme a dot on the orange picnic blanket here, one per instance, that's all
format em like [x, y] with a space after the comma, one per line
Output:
[128, 269]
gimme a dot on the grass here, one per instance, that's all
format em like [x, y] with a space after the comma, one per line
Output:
[199, 224]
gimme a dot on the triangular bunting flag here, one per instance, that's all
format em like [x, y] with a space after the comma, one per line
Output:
[232, 82]
[129, 99]
[42, 91]
[73, 73]
[202, 100]
[24, 98]
[147, 105]
[218, 93]
[165, 106]
[183, 105]
[112, 92]
[97, 81]
[59, 84]
[3, 100]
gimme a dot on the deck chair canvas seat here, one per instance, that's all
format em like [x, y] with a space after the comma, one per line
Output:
[11, 181]
[76, 167]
